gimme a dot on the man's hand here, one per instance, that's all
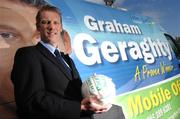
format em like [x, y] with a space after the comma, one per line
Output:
[93, 103]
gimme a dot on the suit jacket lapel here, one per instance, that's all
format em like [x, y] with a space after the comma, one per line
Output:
[52, 58]
[75, 73]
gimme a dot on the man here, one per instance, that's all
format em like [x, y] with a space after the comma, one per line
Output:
[46, 85]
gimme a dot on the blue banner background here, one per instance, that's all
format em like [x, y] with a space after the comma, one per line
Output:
[122, 72]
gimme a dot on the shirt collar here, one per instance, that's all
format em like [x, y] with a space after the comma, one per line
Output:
[50, 47]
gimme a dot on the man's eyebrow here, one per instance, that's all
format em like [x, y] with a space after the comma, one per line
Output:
[9, 28]
[37, 3]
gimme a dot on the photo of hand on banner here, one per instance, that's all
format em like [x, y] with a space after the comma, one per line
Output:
[101, 86]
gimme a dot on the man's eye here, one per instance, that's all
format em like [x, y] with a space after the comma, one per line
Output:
[56, 22]
[47, 22]
[6, 35]
[43, 22]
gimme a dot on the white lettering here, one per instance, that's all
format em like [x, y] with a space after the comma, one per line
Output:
[84, 42]
[109, 51]
[88, 50]
[110, 26]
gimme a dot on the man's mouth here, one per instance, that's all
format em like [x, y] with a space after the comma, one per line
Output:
[52, 33]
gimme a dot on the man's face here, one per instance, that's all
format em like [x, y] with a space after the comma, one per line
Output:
[50, 27]
[17, 29]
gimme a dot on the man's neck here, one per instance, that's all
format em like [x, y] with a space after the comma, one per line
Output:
[51, 43]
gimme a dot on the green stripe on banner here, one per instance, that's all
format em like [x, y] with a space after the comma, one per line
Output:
[155, 102]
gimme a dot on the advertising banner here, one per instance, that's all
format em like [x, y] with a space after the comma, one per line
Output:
[129, 48]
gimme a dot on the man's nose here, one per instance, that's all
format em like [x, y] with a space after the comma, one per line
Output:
[51, 26]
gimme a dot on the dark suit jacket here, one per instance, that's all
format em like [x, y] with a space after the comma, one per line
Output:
[43, 89]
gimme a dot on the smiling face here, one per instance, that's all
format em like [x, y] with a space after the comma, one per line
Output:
[17, 29]
[50, 27]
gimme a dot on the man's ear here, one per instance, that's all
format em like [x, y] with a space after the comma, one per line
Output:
[62, 32]
[37, 27]
[36, 37]
[67, 41]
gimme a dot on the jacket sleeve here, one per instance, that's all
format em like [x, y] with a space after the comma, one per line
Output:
[31, 95]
